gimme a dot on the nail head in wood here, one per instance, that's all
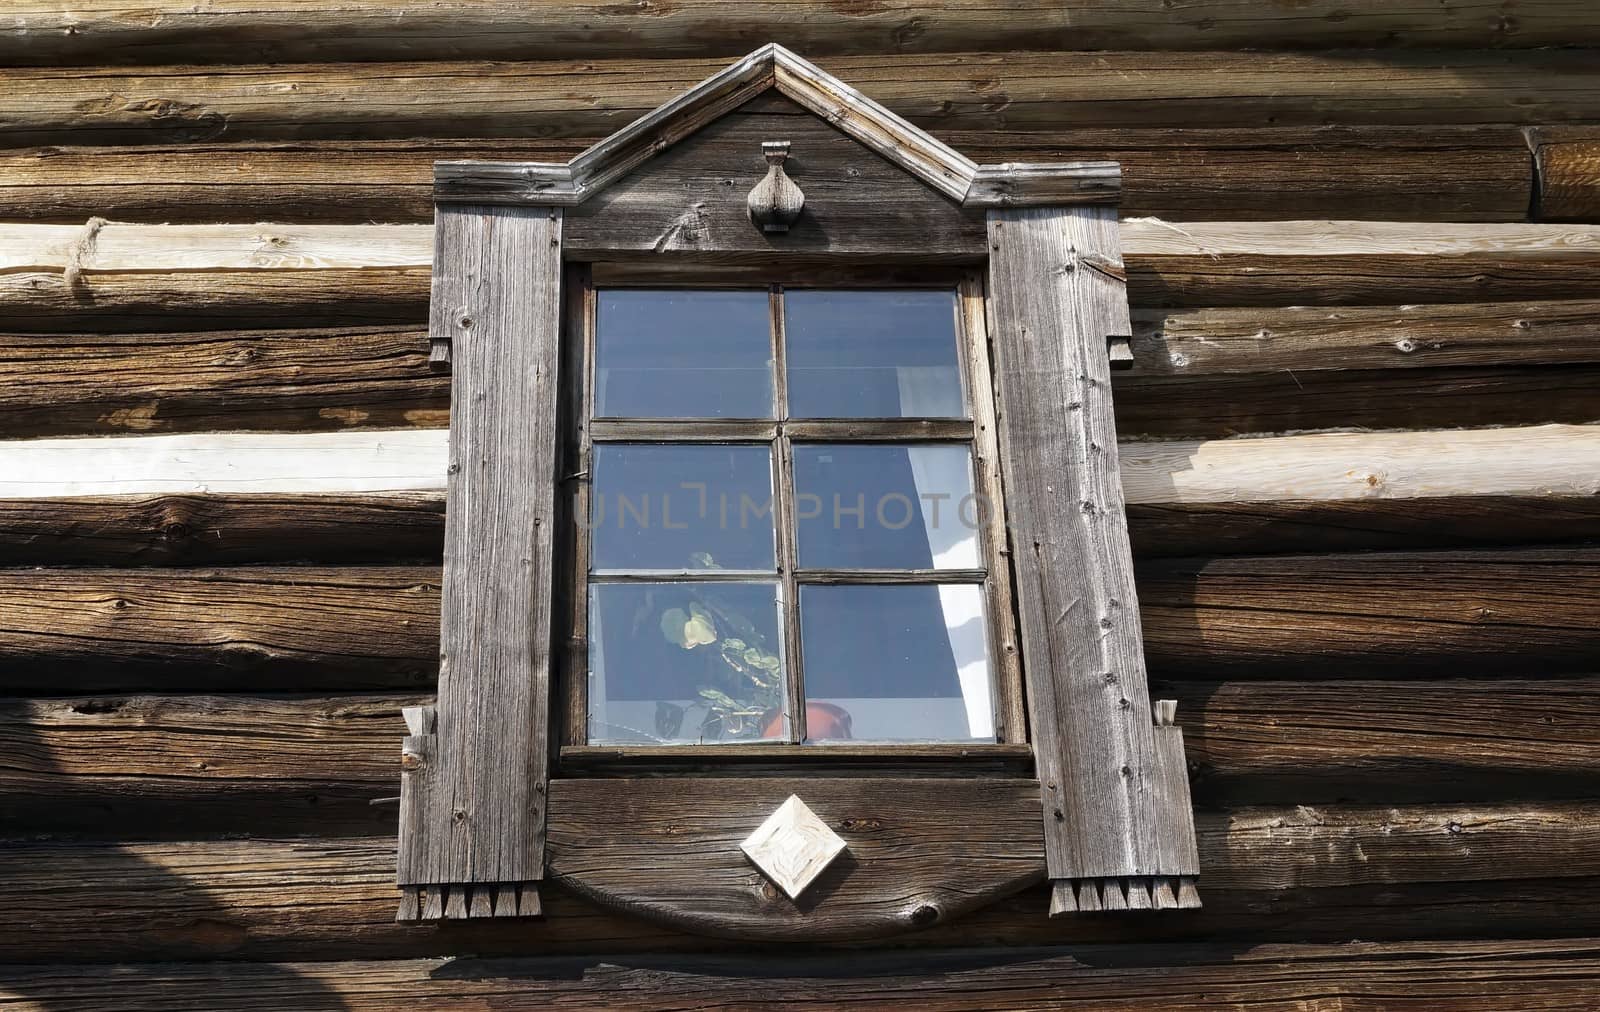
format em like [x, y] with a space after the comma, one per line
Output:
[776, 202]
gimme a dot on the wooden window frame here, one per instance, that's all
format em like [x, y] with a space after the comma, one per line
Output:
[976, 432]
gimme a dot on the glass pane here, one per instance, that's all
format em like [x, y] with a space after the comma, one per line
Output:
[854, 354]
[873, 506]
[681, 506]
[684, 663]
[896, 663]
[683, 354]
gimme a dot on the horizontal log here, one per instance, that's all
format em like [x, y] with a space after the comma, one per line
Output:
[230, 380]
[147, 277]
[38, 32]
[1567, 170]
[1206, 376]
[1398, 173]
[1489, 976]
[401, 528]
[1319, 870]
[1544, 460]
[585, 98]
[1465, 612]
[1206, 342]
[154, 766]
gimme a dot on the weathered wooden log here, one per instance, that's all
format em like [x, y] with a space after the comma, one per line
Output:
[374, 627]
[1019, 90]
[38, 32]
[1473, 976]
[1399, 173]
[1263, 370]
[1204, 342]
[147, 277]
[1326, 872]
[401, 528]
[164, 766]
[1567, 170]
[230, 380]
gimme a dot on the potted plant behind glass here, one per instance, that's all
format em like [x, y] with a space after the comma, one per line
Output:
[743, 692]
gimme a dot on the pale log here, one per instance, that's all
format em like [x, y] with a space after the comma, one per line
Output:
[1317, 869]
[1543, 460]
[228, 31]
[1479, 173]
[1020, 90]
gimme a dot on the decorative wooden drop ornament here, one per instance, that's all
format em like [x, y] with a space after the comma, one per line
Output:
[793, 846]
[776, 201]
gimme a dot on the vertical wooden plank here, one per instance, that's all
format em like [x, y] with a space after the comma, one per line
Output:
[1057, 292]
[497, 293]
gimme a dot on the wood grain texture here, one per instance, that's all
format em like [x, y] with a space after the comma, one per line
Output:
[303, 628]
[355, 378]
[1567, 169]
[227, 31]
[402, 528]
[1543, 460]
[1206, 342]
[271, 627]
[1473, 976]
[1475, 173]
[1331, 872]
[475, 813]
[1057, 292]
[135, 765]
[141, 278]
[194, 381]
[588, 98]
[918, 852]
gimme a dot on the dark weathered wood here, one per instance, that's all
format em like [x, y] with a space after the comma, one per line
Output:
[268, 379]
[267, 627]
[1176, 529]
[1474, 976]
[1021, 90]
[1331, 615]
[691, 198]
[1056, 294]
[475, 815]
[1288, 400]
[1567, 173]
[1325, 872]
[203, 529]
[1400, 173]
[123, 32]
[918, 852]
[1203, 342]
[341, 379]
[1447, 612]
[121, 766]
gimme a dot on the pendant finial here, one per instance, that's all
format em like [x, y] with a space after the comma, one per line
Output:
[776, 201]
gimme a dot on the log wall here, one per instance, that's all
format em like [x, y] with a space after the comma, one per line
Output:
[1361, 448]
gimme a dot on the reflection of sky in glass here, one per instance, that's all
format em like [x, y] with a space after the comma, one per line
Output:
[908, 662]
[681, 506]
[683, 354]
[874, 506]
[645, 687]
[867, 354]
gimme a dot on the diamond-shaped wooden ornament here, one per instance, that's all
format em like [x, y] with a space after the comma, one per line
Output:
[793, 846]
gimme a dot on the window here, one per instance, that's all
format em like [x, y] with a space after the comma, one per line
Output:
[791, 526]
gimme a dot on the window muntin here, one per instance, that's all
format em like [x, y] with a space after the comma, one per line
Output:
[880, 592]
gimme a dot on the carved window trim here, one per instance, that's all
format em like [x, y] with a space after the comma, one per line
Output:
[484, 822]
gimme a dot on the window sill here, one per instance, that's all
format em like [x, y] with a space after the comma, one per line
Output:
[944, 759]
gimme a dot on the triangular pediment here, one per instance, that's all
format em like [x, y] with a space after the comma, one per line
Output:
[773, 68]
